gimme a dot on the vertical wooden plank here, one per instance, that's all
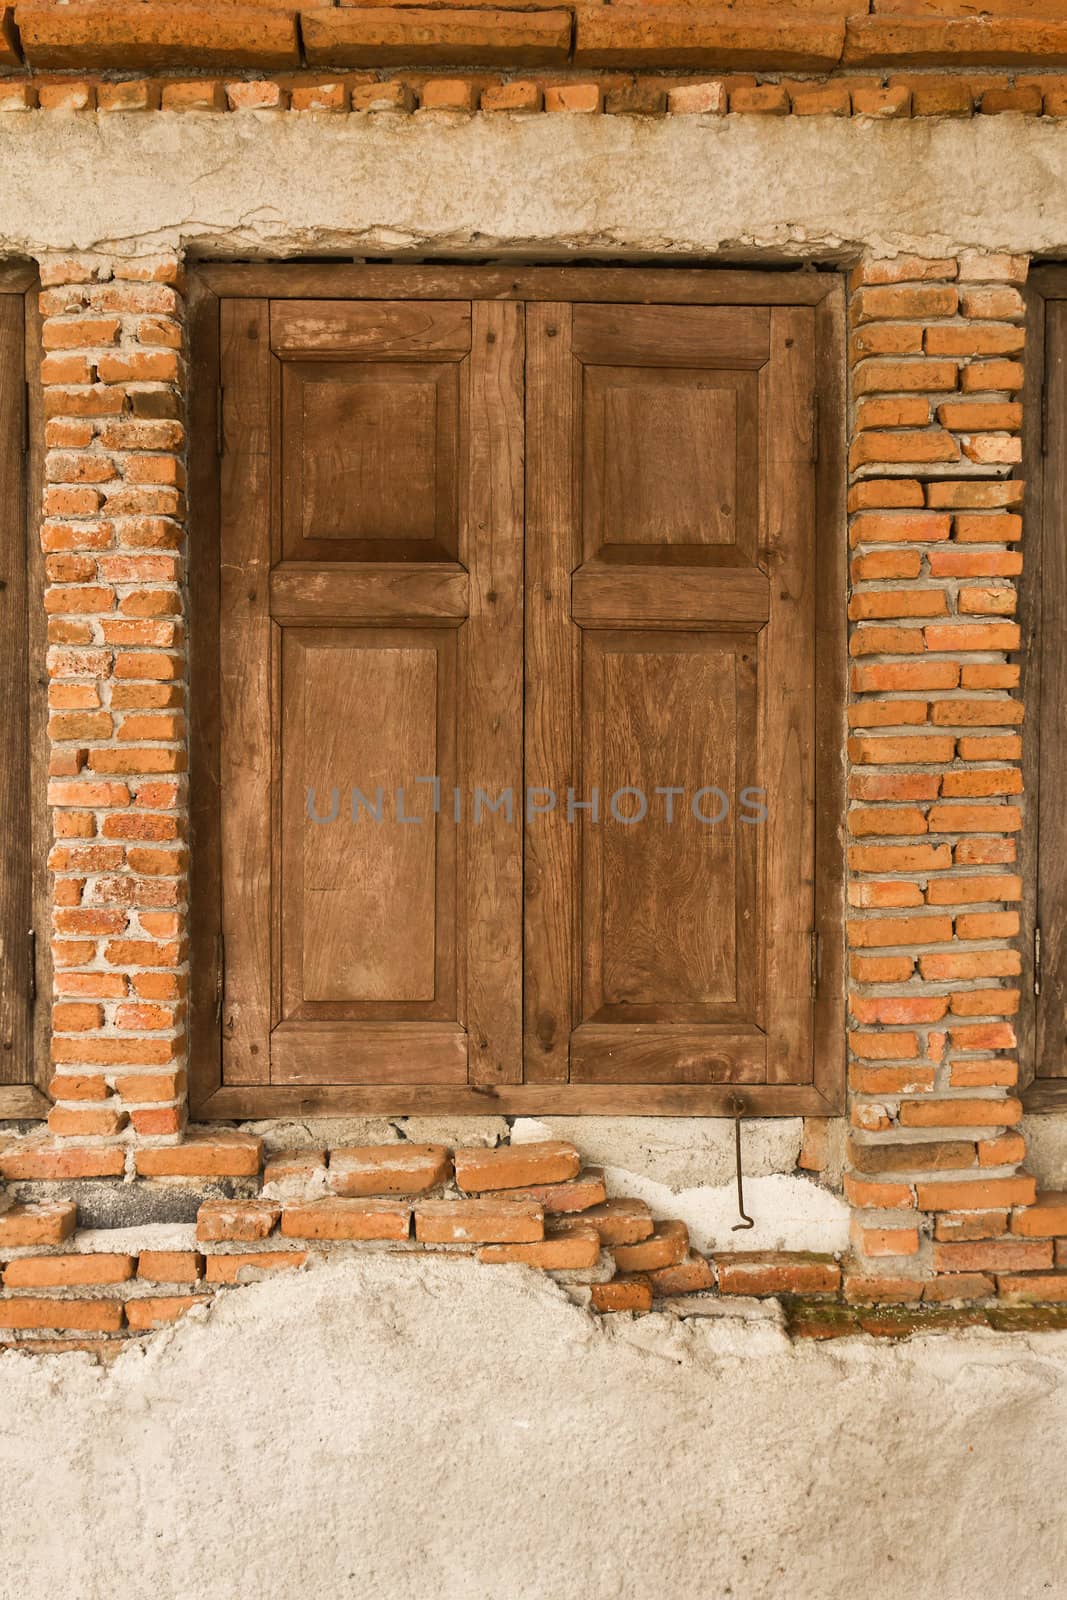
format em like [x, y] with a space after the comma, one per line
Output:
[245, 689]
[1047, 805]
[202, 558]
[787, 671]
[16, 828]
[1041, 320]
[492, 643]
[831, 591]
[553, 402]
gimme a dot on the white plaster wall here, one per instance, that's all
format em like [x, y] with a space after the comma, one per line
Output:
[446, 1431]
[277, 182]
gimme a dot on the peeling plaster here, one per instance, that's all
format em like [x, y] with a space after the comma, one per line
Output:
[449, 1430]
[276, 183]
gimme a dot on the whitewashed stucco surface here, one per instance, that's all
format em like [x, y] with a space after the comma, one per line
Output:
[447, 1431]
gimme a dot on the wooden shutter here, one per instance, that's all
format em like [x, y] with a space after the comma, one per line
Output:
[370, 636]
[514, 530]
[24, 967]
[1043, 1019]
[670, 595]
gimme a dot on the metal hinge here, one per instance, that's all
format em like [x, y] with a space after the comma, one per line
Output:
[220, 976]
[815, 426]
[220, 432]
[1037, 960]
[814, 964]
[31, 982]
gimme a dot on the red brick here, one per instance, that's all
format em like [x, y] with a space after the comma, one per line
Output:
[35, 1158]
[1037, 1288]
[206, 1153]
[1046, 1218]
[768, 1272]
[575, 1249]
[238, 1268]
[244, 1221]
[665, 1246]
[515, 1166]
[170, 1266]
[87, 1316]
[618, 1222]
[976, 1194]
[863, 1290]
[958, 1286]
[158, 1310]
[399, 1168]
[346, 1219]
[970, 1225]
[622, 1294]
[576, 1195]
[478, 1221]
[694, 1275]
[37, 1223]
[66, 1271]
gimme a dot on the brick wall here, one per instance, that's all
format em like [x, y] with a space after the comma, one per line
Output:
[112, 531]
[934, 810]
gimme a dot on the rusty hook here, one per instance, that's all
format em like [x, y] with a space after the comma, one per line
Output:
[737, 1106]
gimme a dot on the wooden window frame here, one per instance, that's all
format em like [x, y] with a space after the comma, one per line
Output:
[210, 1098]
[1047, 283]
[24, 701]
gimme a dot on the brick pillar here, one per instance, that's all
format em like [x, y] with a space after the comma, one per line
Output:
[113, 531]
[934, 784]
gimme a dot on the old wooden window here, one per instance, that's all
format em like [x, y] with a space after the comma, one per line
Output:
[568, 536]
[1043, 1015]
[23, 717]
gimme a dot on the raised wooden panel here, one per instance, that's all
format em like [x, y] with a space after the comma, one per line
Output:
[390, 329]
[670, 914]
[369, 460]
[671, 470]
[735, 337]
[368, 891]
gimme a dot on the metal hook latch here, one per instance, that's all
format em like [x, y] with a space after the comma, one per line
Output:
[737, 1106]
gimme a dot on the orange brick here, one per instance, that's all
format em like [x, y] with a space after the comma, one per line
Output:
[666, 1246]
[87, 1316]
[958, 1286]
[478, 1221]
[869, 1195]
[1045, 1219]
[238, 1268]
[899, 302]
[890, 1080]
[158, 1310]
[346, 1219]
[1036, 1288]
[884, 1046]
[576, 1249]
[921, 376]
[242, 1221]
[400, 1168]
[52, 1162]
[61, 1272]
[962, 1113]
[772, 1272]
[622, 1294]
[885, 1241]
[170, 1266]
[206, 1153]
[620, 1221]
[976, 1194]
[515, 1166]
[864, 1290]
[907, 527]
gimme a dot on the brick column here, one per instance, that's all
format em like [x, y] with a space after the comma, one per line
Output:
[934, 785]
[113, 532]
